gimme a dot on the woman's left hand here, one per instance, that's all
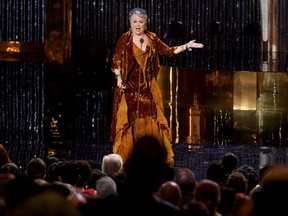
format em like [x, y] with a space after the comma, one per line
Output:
[192, 44]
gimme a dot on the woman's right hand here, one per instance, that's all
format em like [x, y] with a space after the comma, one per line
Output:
[120, 84]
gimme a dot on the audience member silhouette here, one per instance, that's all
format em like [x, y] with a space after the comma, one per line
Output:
[209, 192]
[170, 193]
[52, 173]
[237, 182]
[11, 168]
[85, 174]
[145, 170]
[230, 161]
[217, 172]
[251, 176]
[187, 182]
[36, 169]
[106, 187]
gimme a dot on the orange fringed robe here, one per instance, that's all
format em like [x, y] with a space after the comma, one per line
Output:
[126, 126]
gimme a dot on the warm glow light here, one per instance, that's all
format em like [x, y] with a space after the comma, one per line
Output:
[14, 46]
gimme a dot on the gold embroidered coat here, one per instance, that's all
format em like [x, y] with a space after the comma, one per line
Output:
[126, 123]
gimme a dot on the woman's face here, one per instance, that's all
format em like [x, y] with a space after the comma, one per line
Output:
[138, 25]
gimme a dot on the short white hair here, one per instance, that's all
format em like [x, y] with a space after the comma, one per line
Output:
[112, 164]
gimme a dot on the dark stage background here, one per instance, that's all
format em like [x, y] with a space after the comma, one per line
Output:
[56, 85]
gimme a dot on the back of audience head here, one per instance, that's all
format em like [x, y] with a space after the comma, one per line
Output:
[106, 187]
[187, 182]
[217, 172]
[230, 161]
[208, 192]
[147, 165]
[251, 176]
[36, 169]
[170, 191]
[237, 182]
[51, 159]
[11, 168]
[85, 173]
[52, 174]
[186, 179]
[112, 164]
[69, 172]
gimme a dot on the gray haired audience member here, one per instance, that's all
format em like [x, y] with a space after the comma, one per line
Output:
[186, 180]
[112, 165]
[106, 187]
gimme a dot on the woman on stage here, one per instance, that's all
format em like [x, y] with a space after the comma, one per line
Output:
[137, 106]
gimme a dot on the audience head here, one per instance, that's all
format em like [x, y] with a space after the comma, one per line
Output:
[11, 168]
[36, 169]
[171, 192]
[186, 179]
[230, 161]
[69, 172]
[52, 174]
[112, 164]
[216, 172]
[51, 159]
[208, 192]
[237, 182]
[251, 176]
[106, 187]
[147, 165]
[85, 172]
